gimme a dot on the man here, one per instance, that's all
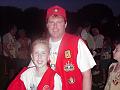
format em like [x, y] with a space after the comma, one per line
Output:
[85, 34]
[98, 37]
[69, 56]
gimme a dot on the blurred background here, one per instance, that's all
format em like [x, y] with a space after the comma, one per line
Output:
[29, 15]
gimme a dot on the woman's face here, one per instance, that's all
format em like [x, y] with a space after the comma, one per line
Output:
[116, 53]
[40, 55]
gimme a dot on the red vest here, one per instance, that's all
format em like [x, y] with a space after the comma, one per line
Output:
[46, 83]
[66, 65]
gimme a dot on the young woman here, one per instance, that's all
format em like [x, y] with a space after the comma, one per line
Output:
[39, 76]
[113, 82]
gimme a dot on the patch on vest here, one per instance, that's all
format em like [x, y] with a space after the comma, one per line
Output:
[116, 80]
[68, 67]
[46, 87]
[71, 80]
[67, 54]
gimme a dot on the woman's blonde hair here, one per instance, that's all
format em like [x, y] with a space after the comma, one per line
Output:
[42, 41]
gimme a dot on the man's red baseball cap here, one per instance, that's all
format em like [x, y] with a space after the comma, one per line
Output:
[56, 10]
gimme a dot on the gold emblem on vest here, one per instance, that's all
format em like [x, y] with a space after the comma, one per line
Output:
[46, 87]
[67, 54]
[71, 80]
[68, 67]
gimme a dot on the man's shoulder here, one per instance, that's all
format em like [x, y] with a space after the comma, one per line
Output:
[71, 35]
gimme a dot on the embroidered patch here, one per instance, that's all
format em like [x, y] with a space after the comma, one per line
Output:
[68, 67]
[71, 80]
[115, 82]
[116, 79]
[46, 87]
[67, 54]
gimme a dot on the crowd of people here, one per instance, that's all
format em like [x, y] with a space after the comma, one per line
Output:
[57, 64]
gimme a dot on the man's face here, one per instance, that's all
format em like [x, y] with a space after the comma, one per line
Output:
[56, 26]
[95, 31]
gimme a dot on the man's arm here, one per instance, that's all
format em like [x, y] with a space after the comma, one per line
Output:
[87, 80]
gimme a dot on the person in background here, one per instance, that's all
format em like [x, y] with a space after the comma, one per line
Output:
[98, 37]
[87, 36]
[79, 30]
[69, 56]
[23, 44]
[9, 42]
[105, 59]
[113, 82]
[10, 50]
[39, 76]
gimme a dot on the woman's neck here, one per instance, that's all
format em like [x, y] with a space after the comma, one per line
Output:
[41, 71]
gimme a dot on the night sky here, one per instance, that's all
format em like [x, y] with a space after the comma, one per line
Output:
[70, 5]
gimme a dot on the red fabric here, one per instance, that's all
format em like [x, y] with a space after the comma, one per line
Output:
[56, 10]
[69, 43]
[46, 82]
[17, 84]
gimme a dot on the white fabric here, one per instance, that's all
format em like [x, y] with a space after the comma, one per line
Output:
[31, 80]
[85, 60]
[57, 82]
[54, 46]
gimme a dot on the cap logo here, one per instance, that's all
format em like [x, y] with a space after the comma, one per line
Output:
[56, 10]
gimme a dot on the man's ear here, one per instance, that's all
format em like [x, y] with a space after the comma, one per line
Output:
[65, 24]
[47, 25]
[31, 56]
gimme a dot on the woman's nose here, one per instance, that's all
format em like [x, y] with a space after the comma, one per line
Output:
[113, 51]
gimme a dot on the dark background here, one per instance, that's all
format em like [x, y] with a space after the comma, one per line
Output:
[30, 15]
